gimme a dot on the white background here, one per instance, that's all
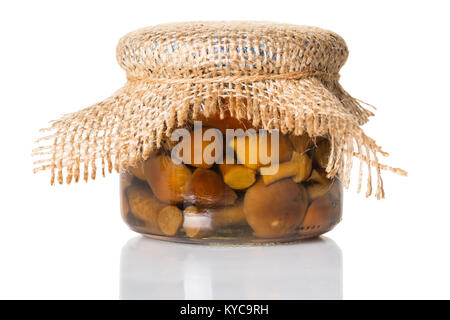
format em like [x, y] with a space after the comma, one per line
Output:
[59, 56]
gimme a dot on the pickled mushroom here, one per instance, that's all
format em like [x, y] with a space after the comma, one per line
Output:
[202, 222]
[229, 197]
[275, 210]
[228, 215]
[299, 168]
[206, 188]
[166, 178]
[145, 206]
[196, 224]
[237, 176]
[305, 167]
[170, 219]
[323, 213]
[248, 153]
[234, 199]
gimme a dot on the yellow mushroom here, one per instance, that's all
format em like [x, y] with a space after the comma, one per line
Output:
[305, 167]
[247, 148]
[237, 176]
[299, 168]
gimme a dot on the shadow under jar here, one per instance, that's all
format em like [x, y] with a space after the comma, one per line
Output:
[231, 199]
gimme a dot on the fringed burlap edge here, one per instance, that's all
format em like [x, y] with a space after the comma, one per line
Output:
[137, 119]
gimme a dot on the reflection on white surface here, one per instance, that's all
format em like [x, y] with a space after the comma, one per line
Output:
[152, 269]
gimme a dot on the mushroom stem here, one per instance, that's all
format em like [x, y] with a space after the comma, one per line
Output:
[202, 222]
[170, 219]
[145, 206]
[228, 216]
[196, 224]
[299, 168]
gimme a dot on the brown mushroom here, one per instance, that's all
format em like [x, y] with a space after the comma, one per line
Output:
[275, 210]
[166, 178]
[206, 188]
[323, 213]
[144, 206]
[248, 153]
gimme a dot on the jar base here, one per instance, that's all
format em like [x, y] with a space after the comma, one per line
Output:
[235, 240]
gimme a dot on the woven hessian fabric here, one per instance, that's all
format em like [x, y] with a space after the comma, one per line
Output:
[278, 76]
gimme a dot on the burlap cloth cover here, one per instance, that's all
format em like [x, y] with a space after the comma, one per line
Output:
[279, 76]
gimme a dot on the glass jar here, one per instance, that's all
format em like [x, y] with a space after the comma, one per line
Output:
[184, 176]
[263, 187]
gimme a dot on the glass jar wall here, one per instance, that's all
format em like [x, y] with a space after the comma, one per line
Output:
[237, 194]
